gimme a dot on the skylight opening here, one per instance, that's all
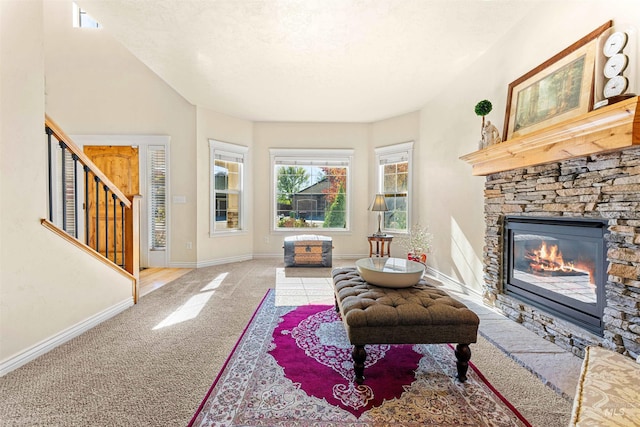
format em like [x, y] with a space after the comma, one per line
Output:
[82, 19]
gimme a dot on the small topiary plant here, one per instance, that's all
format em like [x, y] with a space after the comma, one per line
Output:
[483, 108]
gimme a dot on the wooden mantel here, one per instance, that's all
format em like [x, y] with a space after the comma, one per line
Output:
[610, 128]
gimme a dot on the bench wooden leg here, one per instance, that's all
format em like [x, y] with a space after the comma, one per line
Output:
[463, 354]
[359, 356]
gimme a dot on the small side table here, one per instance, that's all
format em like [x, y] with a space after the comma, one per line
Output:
[381, 241]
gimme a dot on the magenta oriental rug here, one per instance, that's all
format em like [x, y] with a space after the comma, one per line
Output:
[292, 367]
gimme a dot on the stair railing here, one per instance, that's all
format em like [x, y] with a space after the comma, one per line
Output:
[111, 228]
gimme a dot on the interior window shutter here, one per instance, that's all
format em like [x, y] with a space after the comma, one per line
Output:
[70, 194]
[157, 197]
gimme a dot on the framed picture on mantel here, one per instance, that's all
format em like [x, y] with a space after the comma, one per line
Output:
[554, 91]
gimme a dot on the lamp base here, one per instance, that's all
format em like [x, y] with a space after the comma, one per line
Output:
[379, 233]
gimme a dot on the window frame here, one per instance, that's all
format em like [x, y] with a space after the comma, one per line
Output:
[235, 153]
[396, 153]
[151, 199]
[81, 19]
[310, 157]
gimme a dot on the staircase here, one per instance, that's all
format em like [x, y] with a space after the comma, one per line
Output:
[87, 209]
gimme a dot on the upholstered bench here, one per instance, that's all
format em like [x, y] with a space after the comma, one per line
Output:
[421, 314]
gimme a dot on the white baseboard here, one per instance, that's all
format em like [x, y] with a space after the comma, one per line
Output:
[54, 341]
[335, 256]
[182, 265]
[451, 281]
[220, 261]
[350, 256]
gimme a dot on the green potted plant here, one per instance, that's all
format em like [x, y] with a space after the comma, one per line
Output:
[483, 108]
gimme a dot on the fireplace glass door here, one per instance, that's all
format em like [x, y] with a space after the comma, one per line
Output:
[557, 265]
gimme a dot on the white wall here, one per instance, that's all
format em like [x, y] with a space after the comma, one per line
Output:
[260, 238]
[312, 135]
[392, 131]
[450, 197]
[225, 247]
[41, 292]
[95, 86]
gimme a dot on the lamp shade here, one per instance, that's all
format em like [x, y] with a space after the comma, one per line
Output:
[379, 204]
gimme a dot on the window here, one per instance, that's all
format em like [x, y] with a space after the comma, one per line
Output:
[227, 176]
[394, 181]
[311, 188]
[82, 19]
[157, 198]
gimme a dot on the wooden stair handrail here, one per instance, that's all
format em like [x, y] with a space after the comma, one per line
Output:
[132, 247]
[62, 136]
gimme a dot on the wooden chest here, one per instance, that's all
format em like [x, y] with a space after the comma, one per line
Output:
[308, 251]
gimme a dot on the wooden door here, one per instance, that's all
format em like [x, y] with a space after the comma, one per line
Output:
[120, 165]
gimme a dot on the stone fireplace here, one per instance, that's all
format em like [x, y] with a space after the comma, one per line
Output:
[585, 170]
[557, 265]
[599, 187]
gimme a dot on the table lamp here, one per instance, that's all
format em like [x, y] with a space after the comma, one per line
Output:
[379, 205]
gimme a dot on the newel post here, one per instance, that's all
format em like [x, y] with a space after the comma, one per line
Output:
[132, 241]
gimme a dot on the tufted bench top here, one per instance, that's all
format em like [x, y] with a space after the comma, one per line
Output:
[419, 314]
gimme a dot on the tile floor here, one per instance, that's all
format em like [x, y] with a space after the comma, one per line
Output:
[303, 286]
[555, 366]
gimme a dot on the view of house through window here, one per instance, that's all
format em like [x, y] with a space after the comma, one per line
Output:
[394, 167]
[311, 191]
[395, 189]
[227, 178]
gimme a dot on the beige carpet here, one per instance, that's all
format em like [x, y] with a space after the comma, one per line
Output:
[130, 372]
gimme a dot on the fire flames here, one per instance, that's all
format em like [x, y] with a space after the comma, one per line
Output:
[547, 261]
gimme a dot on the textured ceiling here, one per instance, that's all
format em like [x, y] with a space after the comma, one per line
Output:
[308, 60]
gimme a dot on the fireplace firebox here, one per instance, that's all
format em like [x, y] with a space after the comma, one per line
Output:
[557, 265]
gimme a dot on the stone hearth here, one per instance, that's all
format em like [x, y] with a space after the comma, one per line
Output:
[603, 186]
